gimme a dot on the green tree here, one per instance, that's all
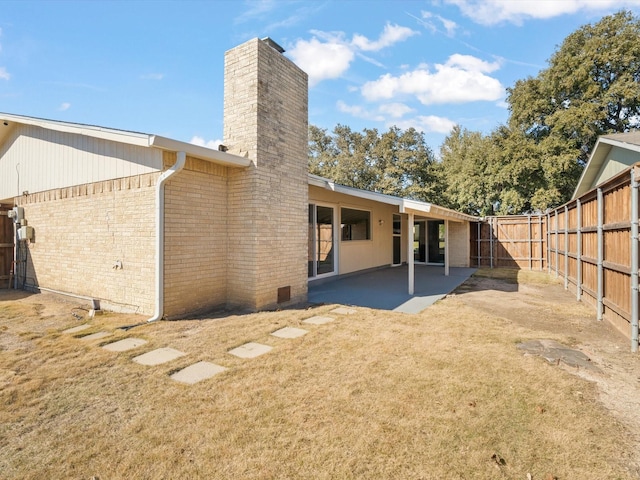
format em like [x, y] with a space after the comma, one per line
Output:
[467, 173]
[395, 162]
[590, 88]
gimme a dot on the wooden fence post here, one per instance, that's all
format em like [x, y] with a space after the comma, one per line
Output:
[600, 244]
[579, 251]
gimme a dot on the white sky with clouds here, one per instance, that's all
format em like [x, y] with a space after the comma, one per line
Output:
[157, 67]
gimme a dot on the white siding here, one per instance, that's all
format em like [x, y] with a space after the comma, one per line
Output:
[617, 160]
[35, 159]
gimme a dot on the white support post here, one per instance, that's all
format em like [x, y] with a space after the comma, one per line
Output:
[446, 248]
[410, 258]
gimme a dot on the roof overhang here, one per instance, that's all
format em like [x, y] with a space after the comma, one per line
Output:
[600, 152]
[9, 121]
[404, 205]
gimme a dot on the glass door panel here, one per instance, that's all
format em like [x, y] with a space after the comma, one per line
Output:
[435, 232]
[321, 253]
[419, 242]
[324, 240]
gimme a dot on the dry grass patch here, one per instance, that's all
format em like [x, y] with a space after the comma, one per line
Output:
[376, 394]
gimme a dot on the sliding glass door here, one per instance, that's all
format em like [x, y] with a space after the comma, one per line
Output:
[428, 242]
[322, 233]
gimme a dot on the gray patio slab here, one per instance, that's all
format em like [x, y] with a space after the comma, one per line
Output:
[318, 320]
[95, 336]
[387, 288]
[77, 329]
[158, 356]
[290, 332]
[124, 344]
[250, 350]
[197, 372]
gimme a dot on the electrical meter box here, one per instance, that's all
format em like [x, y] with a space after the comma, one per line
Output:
[17, 213]
[25, 233]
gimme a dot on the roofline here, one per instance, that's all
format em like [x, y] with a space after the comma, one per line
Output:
[404, 205]
[132, 138]
[604, 140]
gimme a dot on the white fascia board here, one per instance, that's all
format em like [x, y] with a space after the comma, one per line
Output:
[123, 136]
[594, 164]
[197, 151]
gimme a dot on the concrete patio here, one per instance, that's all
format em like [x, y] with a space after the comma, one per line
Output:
[386, 288]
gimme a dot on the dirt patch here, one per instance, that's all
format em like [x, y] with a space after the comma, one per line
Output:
[543, 306]
[443, 394]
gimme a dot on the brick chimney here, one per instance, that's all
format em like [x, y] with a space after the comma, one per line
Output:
[266, 118]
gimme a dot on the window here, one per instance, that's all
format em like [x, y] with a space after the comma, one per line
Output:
[355, 224]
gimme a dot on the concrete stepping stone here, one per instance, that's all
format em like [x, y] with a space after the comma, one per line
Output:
[158, 356]
[290, 332]
[124, 344]
[250, 350]
[344, 311]
[317, 320]
[95, 336]
[197, 372]
[77, 329]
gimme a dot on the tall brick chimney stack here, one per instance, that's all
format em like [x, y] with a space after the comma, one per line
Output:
[266, 118]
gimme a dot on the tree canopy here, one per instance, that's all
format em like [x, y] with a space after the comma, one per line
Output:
[397, 162]
[533, 162]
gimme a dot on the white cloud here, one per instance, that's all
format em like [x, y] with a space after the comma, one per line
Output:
[427, 123]
[359, 112]
[390, 35]
[329, 55]
[395, 110]
[196, 140]
[152, 76]
[491, 12]
[461, 79]
[64, 106]
[427, 21]
[4, 75]
[322, 60]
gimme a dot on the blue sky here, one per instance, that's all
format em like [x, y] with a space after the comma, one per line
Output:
[157, 67]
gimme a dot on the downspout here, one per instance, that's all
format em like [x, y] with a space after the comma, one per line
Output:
[634, 261]
[159, 282]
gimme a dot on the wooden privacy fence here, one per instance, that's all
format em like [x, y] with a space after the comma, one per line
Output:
[590, 242]
[516, 241]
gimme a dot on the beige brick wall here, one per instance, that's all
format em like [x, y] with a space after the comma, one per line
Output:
[82, 231]
[459, 244]
[195, 269]
[266, 115]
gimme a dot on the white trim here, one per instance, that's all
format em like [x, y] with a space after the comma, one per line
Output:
[127, 137]
[404, 205]
[336, 237]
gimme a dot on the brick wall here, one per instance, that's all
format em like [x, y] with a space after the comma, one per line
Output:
[195, 269]
[266, 116]
[82, 231]
[459, 244]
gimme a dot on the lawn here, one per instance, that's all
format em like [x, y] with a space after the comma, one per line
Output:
[440, 395]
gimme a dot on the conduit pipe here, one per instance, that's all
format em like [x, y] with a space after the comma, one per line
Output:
[159, 281]
[634, 261]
